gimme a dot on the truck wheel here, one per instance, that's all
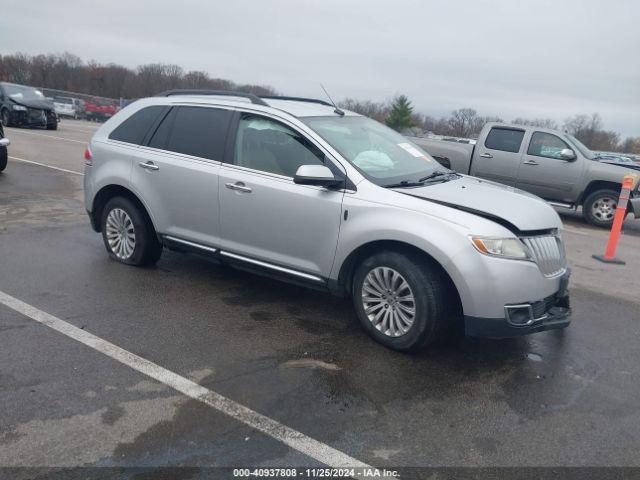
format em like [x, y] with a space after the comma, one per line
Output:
[599, 208]
[128, 234]
[3, 158]
[400, 300]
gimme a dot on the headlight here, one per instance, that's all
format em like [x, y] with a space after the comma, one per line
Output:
[501, 247]
[20, 108]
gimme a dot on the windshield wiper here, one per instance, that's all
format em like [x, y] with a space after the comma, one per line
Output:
[403, 184]
[437, 173]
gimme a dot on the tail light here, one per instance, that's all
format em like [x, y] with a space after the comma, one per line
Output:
[87, 156]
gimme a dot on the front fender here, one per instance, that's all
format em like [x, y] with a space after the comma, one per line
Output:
[445, 240]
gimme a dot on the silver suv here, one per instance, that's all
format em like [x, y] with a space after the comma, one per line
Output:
[300, 190]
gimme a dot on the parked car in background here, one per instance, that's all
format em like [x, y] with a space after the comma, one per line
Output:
[551, 164]
[4, 154]
[99, 109]
[617, 158]
[300, 190]
[80, 108]
[64, 107]
[21, 105]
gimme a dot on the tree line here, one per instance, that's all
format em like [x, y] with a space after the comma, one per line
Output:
[69, 72]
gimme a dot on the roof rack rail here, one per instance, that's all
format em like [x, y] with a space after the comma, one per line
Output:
[297, 99]
[222, 93]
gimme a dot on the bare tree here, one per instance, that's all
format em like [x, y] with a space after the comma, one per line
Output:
[377, 111]
[536, 122]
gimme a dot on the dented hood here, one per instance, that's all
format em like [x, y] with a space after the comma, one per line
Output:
[506, 205]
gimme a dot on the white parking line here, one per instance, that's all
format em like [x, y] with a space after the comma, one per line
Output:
[294, 439]
[45, 165]
[48, 136]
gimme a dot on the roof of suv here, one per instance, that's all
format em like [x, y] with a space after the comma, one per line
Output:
[298, 107]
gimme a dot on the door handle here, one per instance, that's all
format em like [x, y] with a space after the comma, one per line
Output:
[486, 155]
[530, 162]
[238, 186]
[149, 165]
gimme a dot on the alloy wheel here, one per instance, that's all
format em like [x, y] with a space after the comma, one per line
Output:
[604, 208]
[120, 233]
[388, 301]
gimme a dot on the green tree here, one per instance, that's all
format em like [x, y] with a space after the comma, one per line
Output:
[401, 115]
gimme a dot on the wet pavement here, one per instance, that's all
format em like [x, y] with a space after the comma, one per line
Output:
[567, 398]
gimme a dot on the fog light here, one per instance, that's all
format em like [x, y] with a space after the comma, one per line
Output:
[519, 315]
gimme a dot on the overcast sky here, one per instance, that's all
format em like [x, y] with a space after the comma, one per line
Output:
[532, 58]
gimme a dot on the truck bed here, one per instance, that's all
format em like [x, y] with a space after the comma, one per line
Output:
[454, 155]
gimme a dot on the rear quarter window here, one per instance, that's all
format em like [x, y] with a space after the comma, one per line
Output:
[134, 128]
[504, 139]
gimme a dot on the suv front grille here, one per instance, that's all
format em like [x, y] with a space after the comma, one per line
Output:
[548, 252]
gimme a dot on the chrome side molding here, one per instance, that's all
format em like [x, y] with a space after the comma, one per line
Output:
[306, 276]
[242, 258]
[191, 244]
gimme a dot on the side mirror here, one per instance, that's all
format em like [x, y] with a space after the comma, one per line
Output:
[4, 142]
[567, 154]
[315, 175]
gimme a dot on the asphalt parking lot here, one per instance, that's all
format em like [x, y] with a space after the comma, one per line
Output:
[297, 357]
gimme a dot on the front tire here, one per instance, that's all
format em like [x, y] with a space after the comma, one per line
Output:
[128, 234]
[599, 208]
[5, 118]
[401, 300]
[4, 157]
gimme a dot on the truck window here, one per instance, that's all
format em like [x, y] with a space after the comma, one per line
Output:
[505, 139]
[546, 145]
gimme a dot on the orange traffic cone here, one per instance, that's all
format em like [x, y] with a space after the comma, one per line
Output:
[616, 229]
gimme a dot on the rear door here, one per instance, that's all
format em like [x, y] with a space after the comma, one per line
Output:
[498, 157]
[545, 173]
[176, 172]
[265, 216]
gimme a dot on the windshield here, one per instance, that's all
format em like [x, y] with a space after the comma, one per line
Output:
[382, 155]
[20, 92]
[581, 147]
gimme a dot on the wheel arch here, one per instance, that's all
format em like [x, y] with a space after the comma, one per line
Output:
[105, 194]
[342, 286]
[596, 185]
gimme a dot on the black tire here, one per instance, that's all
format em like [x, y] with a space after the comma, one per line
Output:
[4, 156]
[433, 318]
[52, 126]
[147, 249]
[4, 118]
[590, 208]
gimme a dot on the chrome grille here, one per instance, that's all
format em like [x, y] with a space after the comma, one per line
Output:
[548, 252]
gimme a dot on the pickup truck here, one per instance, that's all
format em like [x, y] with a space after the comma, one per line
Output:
[548, 163]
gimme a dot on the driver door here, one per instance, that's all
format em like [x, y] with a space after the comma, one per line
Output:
[264, 215]
[544, 173]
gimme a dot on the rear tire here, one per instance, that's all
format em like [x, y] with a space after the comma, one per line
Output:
[599, 208]
[128, 233]
[382, 286]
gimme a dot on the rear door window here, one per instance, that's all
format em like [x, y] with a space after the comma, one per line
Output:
[197, 131]
[504, 139]
[134, 128]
